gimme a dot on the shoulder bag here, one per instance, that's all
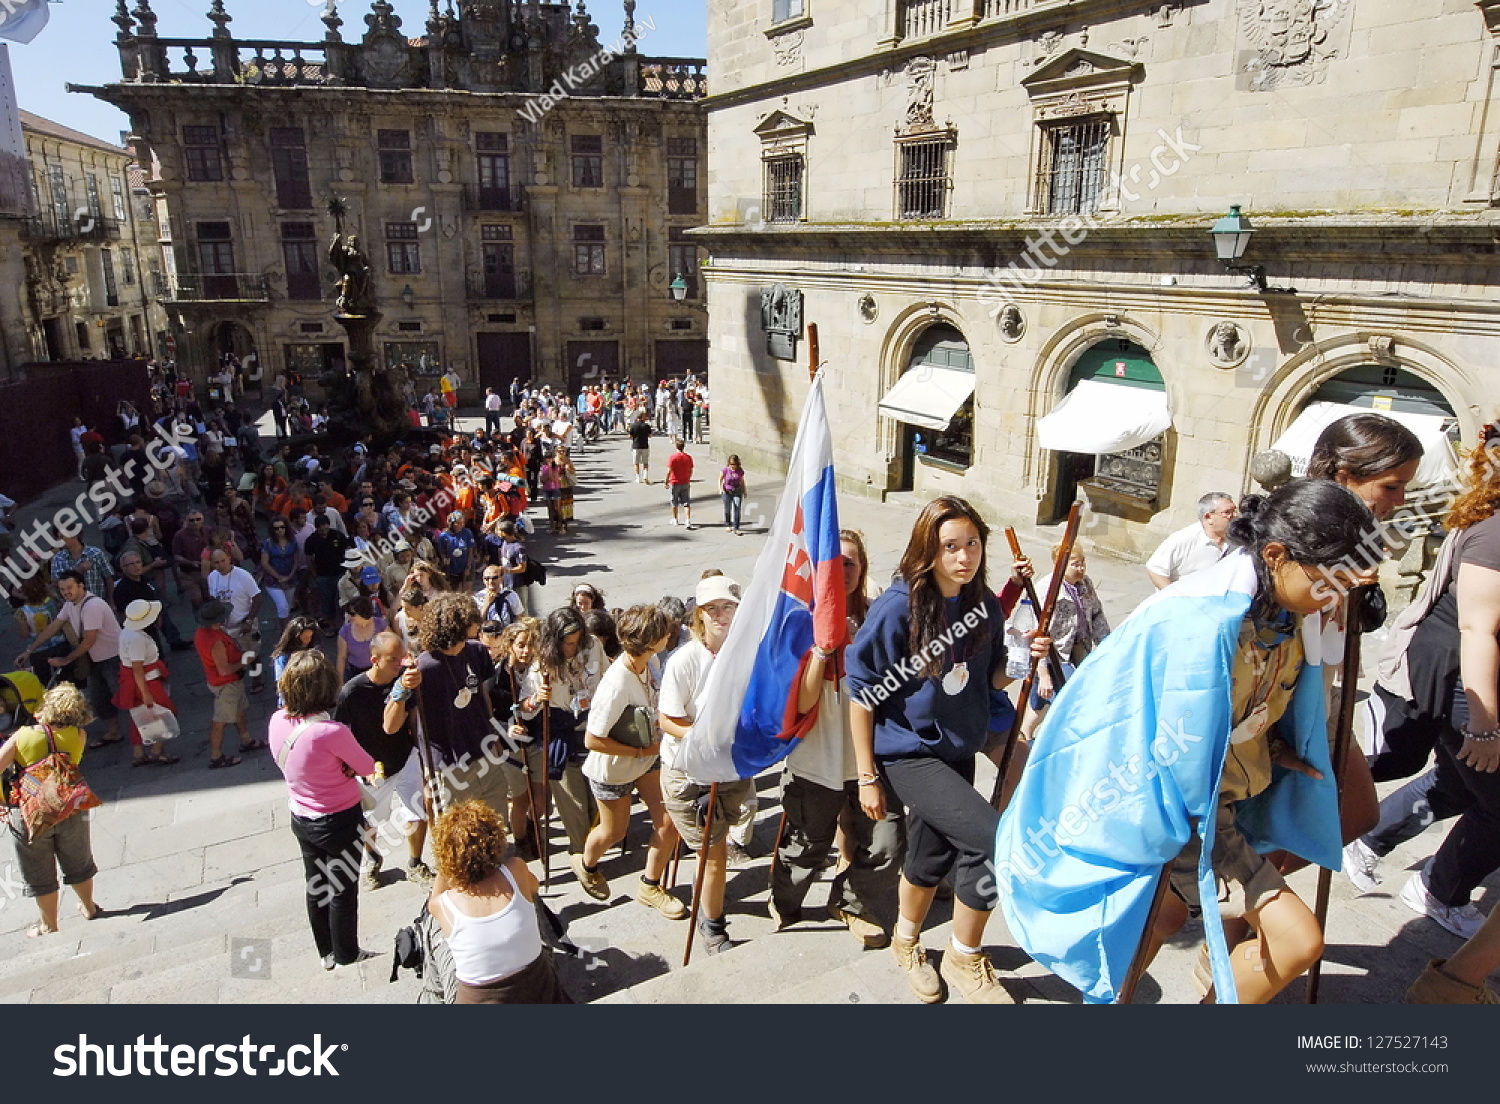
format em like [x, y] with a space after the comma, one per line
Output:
[51, 790]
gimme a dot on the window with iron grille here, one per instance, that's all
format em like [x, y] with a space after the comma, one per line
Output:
[495, 232]
[1072, 169]
[299, 249]
[200, 149]
[289, 168]
[782, 10]
[588, 325]
[588, 161]
[783, 201]
[682, 176]
[922, 188]
[588, 250]
[395, 156]
[402, 252]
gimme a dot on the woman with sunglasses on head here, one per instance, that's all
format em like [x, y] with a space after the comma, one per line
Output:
[924, 674]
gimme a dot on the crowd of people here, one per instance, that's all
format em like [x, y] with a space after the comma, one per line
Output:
[430, 705]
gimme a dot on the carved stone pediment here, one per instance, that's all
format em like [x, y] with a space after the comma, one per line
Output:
[1076, 68]
[782, 125]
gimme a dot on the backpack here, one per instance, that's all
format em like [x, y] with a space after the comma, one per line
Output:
[420, 947]
[535, 572]
[501, 607]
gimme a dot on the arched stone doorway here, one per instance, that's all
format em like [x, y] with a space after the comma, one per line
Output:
[1113, 389]
[932, 404]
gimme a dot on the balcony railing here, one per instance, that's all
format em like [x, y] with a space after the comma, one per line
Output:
[920, 18]
[216, 287]
[674, 78]
[264, 62]
[488, 198]
[500, 287]
[85, 227]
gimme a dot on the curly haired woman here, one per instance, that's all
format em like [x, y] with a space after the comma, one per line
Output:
[484, 900]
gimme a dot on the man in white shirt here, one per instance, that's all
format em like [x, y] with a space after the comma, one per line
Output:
[491, 412]
[97, 634]
[1198, 546]
[237, 589]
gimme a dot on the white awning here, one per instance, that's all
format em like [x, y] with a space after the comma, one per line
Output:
[928, 396]
[1439, 464]
[1097, 417]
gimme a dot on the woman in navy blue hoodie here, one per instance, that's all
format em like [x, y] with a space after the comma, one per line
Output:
[923, 672]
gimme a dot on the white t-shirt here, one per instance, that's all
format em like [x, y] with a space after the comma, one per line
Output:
[826, 754]
[238, 589]
[94, 613]
[683, 680]
[618, 690]
[1188, 550]
[492, 402]
[137, 647]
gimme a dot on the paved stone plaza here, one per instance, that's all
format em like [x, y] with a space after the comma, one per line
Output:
[203, 883]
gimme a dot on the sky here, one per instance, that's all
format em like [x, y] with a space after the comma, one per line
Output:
[78, 43]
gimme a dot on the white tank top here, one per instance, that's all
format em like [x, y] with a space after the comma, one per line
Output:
[489, 948]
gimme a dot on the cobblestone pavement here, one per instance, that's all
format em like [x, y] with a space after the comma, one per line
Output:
[203, 883]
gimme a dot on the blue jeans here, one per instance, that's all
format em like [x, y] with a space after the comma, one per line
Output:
[733, 503]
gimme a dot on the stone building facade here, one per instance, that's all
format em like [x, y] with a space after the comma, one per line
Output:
[522, 189]
[991, 206]
[92, 268]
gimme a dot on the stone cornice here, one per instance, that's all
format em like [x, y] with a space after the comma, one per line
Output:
[975, 37]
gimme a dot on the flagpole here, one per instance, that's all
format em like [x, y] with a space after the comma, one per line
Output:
[1138, 963]
[1044, 623]
[1343, 731]
[708, 832]
[813, 363]
[544, 845]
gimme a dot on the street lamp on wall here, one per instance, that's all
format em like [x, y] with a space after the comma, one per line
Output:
[679, 287]
[408, 296]
[1231, 235]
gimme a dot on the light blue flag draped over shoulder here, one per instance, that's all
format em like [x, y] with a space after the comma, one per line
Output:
[1128, 758]
[22, 20]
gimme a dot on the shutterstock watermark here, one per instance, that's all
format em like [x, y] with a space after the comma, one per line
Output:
[911, 666]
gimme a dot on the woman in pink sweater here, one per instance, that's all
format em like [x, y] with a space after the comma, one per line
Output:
[321, 760]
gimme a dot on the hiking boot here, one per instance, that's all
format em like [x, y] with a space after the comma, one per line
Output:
[871, 934]
[1361, 866]
[1435, 986]
[369, 877]
[595, 884]
[715, 935]
[920, 975]
[783, 920]
[739, 858]
[419, 873]
[653, 896]
[1462, 920]
[973, 975]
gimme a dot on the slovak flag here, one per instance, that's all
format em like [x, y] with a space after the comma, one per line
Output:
[747, 718]
[22, 20]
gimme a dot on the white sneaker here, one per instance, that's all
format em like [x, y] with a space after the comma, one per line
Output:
[1463, 920]
[1360, 866]
[674, 521]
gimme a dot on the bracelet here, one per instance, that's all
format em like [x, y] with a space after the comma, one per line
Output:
[869, 779]
[400, 694]
[821, 654]
[1482, 737]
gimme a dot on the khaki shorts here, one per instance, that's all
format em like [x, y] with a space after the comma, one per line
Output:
[230, 703]
[1246, 878]
[681, 794]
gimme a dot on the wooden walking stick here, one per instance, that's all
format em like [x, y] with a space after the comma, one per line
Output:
[776, 848]
[424, 755]
[1044, 623]
[1342, 734]
[1138, 964]
[708, 831]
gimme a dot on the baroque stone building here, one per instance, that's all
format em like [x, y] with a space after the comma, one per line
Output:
[998, 212]
[92, 268]
[522, 190]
